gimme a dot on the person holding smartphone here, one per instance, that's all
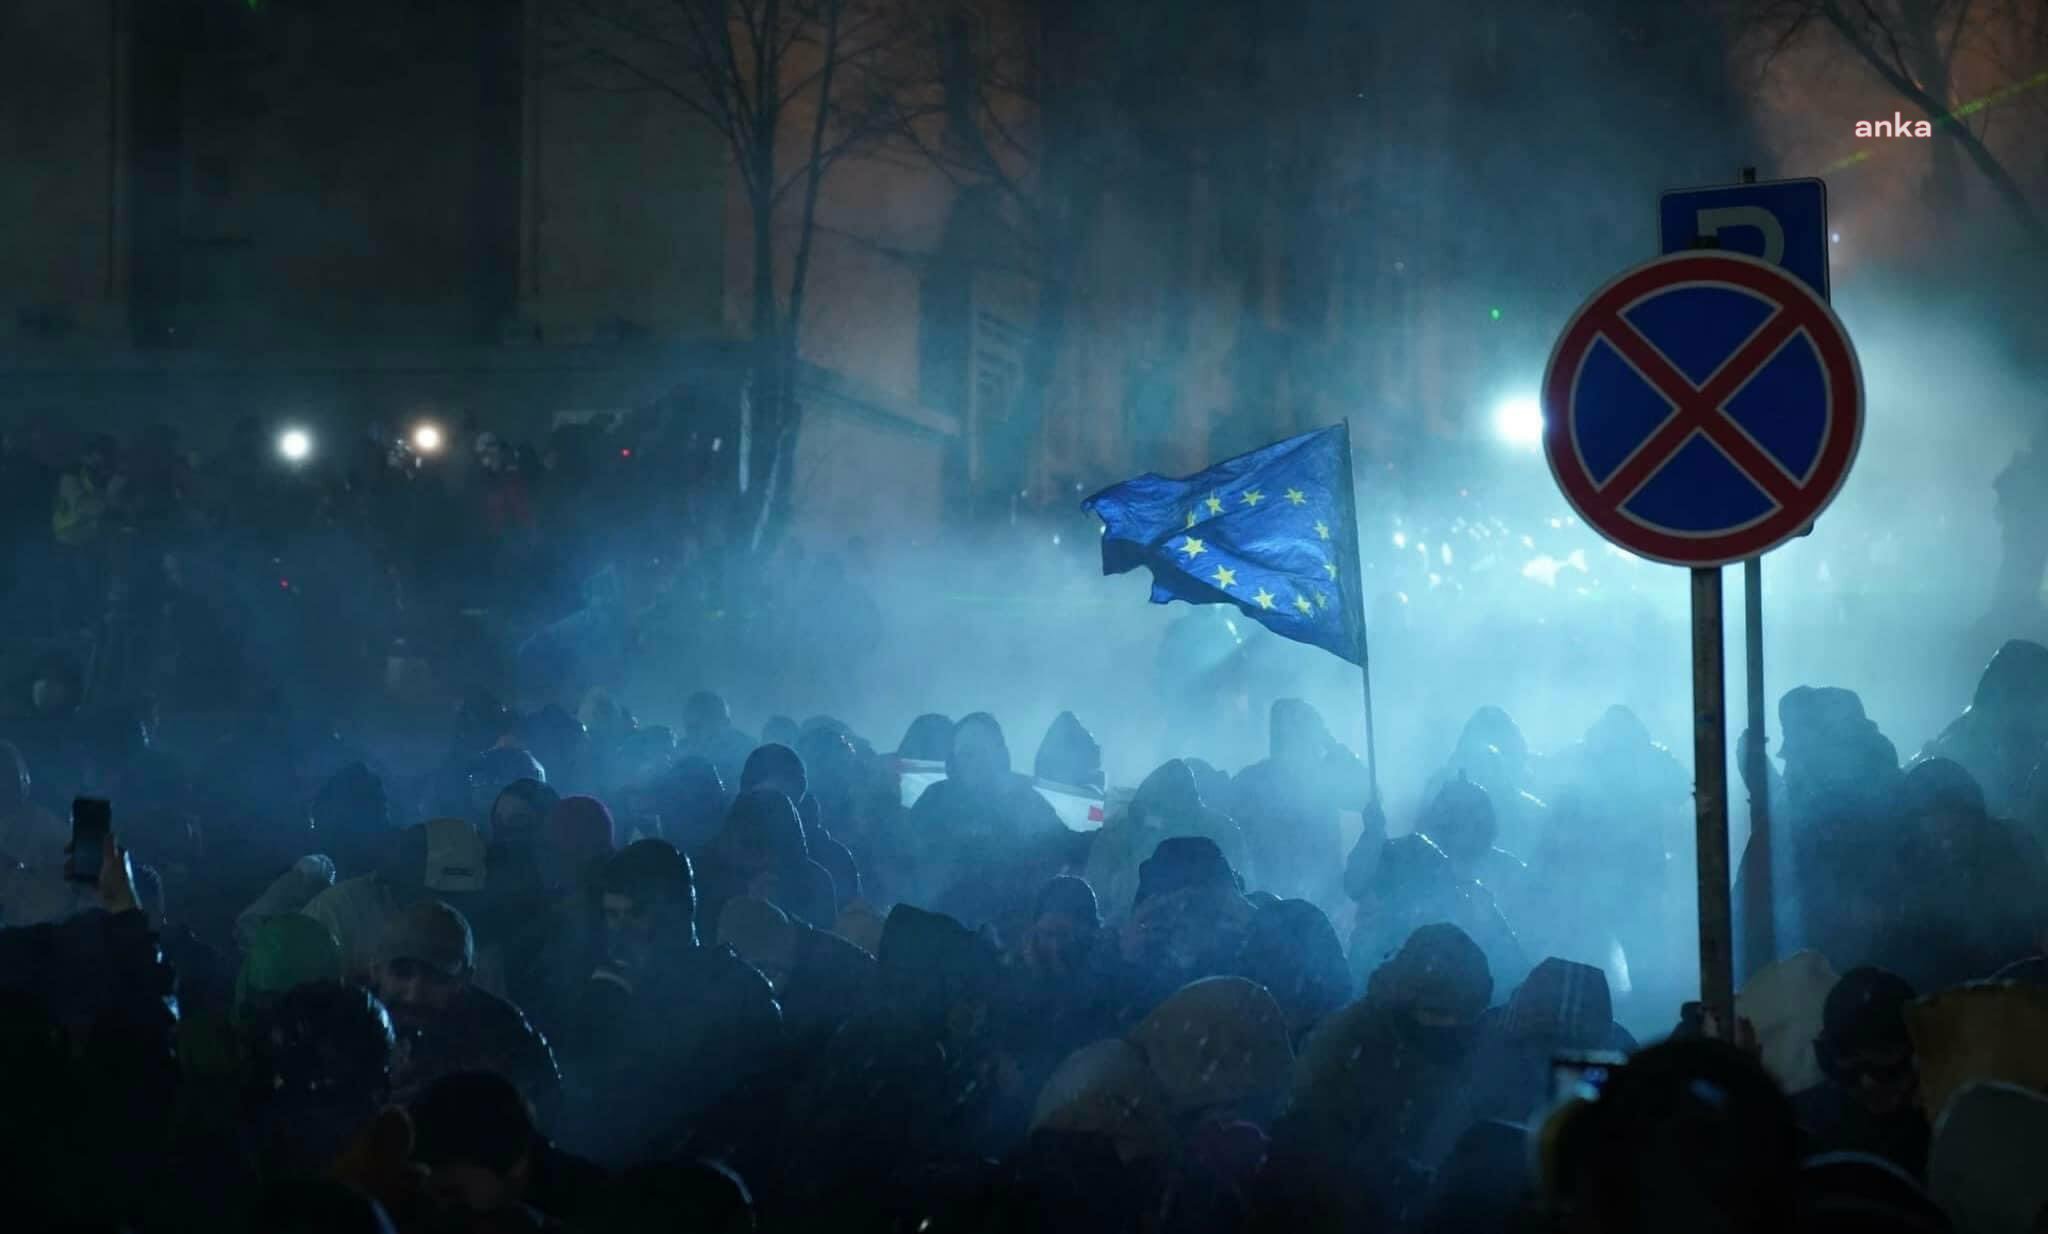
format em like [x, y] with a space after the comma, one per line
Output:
[100, 978]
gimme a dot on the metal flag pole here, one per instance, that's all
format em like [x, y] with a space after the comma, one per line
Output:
[1356, 583]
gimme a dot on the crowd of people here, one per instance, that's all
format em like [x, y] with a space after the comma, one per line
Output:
[591, 974]
[304, 581]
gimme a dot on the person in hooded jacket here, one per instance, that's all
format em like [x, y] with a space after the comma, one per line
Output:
[88, 1024]
[579, 839]
[820, 979]
[1627, 789]
[1219, 1048]
[761, 852]
[943, 983]
[865, 1127]
[1413, 884]
[928, 739]
[1620, 827]
[1461, 820]
[779, 769]
[668, 1028]
[1834, 812]
[1492, 753]
[510, 915]
[989, 838]
[1167, 804]
[1293, 951]
[693, 802]
[475, 1132]
[561, 744]
[2003, 734]
[1069, 755]
[1370, 1085]
[1562, 1008]
[1962, 899]
[1053, 997]
[1288, 806]
[487, 777]
[1188, 920]
[781, 731]
[708, 733]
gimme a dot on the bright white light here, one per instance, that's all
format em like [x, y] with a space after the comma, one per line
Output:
[1834, 237]
[1400, 539]
[1518, 421]
[427, 439]
[295, 444]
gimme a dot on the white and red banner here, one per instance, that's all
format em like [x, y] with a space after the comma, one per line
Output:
[1080, 808]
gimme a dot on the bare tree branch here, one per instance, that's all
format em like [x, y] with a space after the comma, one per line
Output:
[2001, 180]
[724, 88]
[1955, 37]
[1791, 32]
[848, 60]
[1891, 40]
[994, 119]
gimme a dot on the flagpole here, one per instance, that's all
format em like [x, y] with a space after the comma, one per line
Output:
[1349, 551]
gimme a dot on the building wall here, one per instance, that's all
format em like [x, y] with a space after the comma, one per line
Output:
[347, 213]
[58, 127]
[625, 206]
[863, 470]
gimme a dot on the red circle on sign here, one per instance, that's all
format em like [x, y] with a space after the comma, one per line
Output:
[1796, 501]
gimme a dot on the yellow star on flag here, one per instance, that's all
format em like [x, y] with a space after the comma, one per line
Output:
[1296, 496]
[1214, 503]
[1322, 601]
[1191, 518]
[1322, 529]
[1253, 497]
[1225, 577]
[1192, 547]
[1265, 598]
[1301, 602]
[1331, 567]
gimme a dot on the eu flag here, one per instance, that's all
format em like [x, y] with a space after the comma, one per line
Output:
[1274, 532]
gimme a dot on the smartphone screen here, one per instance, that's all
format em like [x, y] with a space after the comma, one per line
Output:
[1580, 1077]
[91, 819]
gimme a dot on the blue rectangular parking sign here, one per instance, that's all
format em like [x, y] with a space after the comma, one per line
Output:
[1785, 222]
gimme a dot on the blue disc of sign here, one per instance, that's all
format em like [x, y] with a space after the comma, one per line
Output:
[1702, 408]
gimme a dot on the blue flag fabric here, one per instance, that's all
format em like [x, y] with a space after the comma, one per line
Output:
[1274, 532]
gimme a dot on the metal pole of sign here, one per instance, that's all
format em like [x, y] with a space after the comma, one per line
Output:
[1759, 921]
[1710, 800]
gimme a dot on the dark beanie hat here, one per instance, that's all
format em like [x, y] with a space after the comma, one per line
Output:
[580, 828]
[1072, 896]
[1182, 862]
[1867, 1007]
[775, 765]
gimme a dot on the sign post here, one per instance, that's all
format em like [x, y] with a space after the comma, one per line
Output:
[1701, 409]
[1710, 800]
[1785, 223]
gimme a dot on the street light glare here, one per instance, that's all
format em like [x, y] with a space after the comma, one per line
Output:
[427, 439]
[295, 444]
[1518, 421]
